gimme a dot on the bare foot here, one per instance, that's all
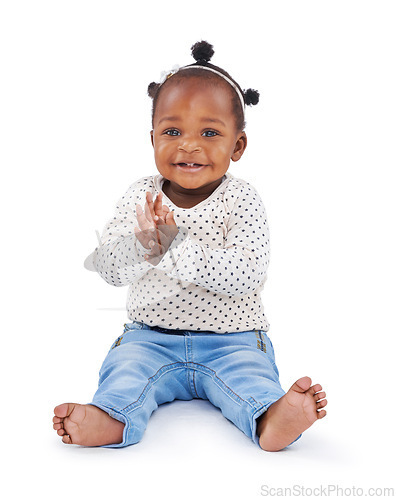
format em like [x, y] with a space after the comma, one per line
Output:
[291, 415]
[86, 425]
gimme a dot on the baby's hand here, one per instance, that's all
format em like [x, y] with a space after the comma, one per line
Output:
[160, 213]
[157, 228]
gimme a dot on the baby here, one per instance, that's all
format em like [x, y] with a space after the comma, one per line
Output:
[195, 267]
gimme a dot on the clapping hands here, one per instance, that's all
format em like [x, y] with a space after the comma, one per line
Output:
[157, 227]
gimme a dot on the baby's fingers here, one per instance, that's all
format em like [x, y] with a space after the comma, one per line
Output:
[158, 207]
[155, 209]
[144, 218]
[170, 219]
[156, 253]
[151, 206]
[146, 236]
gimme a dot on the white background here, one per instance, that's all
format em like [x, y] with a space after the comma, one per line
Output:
[75, 122]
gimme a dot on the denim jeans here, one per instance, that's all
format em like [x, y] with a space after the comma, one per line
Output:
[148, 366]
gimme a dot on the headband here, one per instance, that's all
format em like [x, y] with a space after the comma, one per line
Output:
[176, 69]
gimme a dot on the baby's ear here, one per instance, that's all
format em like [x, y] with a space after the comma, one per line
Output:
[152, 137]
[240, 147]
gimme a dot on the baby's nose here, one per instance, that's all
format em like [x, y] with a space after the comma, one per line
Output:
[189, 146]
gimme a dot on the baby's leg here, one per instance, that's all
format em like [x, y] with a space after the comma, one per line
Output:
[238, 374]
[142, 370]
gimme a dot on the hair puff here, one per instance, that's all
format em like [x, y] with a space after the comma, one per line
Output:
[152, 89]
[202, 51]
[251, 96]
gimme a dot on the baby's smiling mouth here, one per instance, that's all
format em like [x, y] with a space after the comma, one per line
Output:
[189, 165]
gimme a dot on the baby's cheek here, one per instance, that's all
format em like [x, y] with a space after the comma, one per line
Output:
[224, 151]
[161, 148]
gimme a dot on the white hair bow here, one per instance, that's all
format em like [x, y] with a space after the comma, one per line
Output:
[166, 74]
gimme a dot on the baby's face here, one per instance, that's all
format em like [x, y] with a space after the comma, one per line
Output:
[194, 134]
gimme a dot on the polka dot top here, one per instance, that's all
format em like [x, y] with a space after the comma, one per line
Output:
[210, 278]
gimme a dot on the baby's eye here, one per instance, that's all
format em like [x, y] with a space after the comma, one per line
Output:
[172, 131]
[210, 133]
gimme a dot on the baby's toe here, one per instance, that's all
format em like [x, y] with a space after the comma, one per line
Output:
[321, 404]
[322, 413]
[66, 439]
[315, 388]
[319, 395]
[63, 410]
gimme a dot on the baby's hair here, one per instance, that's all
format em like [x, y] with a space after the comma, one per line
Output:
[202, 52]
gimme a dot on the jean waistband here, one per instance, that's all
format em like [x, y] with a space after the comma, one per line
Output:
[143, 326]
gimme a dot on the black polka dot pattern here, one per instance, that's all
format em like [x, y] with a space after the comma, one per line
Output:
[211, 277]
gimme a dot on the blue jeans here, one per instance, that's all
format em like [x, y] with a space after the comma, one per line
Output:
[148, 366]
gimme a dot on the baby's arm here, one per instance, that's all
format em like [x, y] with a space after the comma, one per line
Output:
[240, 266]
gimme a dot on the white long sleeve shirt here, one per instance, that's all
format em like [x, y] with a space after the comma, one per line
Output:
[210, 278]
